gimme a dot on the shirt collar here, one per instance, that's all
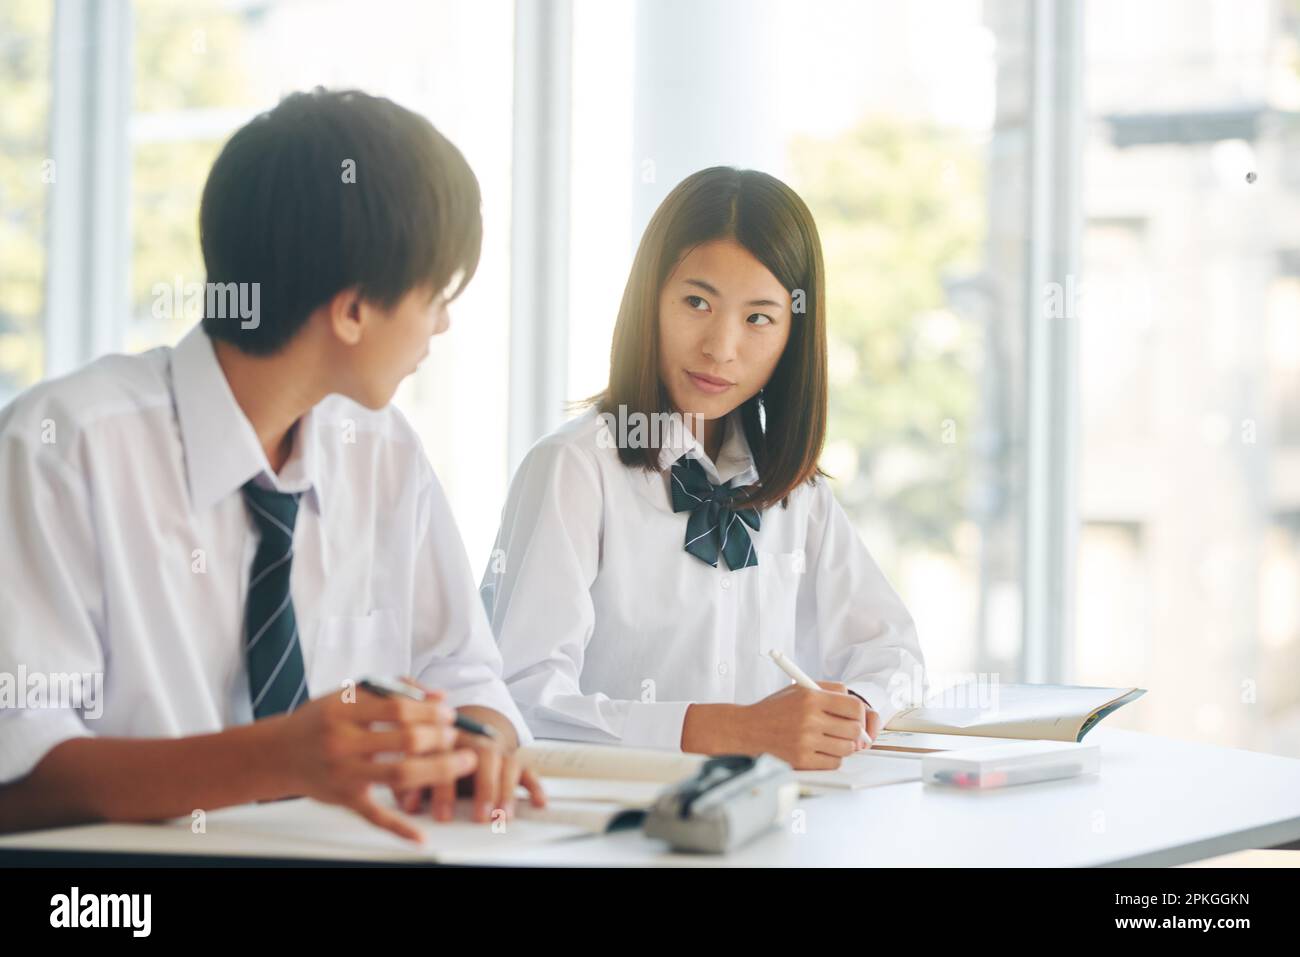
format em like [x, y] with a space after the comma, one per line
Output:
[735, 464]
[220, 447]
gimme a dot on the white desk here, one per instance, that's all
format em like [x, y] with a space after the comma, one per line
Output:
[1157, 802]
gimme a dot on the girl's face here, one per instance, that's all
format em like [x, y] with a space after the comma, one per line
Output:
[724, 320]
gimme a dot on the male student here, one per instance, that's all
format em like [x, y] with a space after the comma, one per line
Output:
[206, 545]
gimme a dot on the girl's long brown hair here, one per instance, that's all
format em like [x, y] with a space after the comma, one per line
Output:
[785, 423]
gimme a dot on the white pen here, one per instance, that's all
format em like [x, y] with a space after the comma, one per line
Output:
[801, 679]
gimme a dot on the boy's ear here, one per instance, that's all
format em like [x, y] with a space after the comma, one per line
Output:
[346, 314]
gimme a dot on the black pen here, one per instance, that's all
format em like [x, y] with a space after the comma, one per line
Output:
[387, 689]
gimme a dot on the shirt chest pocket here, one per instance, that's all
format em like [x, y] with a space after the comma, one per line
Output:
[779, 576]
[352, 647]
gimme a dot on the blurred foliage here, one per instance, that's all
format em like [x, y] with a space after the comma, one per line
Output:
[900, 209]
[188, 58]
[24, 149]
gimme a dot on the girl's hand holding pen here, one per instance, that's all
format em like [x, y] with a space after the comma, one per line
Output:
[871, 719]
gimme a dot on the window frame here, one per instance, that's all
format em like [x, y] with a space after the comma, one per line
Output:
[87, 277]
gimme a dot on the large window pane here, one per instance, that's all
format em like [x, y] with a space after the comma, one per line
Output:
[1188, 310]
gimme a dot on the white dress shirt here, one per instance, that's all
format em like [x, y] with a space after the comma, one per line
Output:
[127, 547]
[609, 629]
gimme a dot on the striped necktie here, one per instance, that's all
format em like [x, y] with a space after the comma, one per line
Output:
[277, 679]
[713, 527]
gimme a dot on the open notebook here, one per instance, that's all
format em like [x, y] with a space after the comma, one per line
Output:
[986, 716]
[603, 786]
[303, 828]
[1033, 712]
[600, 787]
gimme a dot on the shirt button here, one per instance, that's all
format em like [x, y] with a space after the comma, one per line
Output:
[722, 667]
[726, 582]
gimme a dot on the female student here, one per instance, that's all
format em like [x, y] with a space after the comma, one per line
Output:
[643, 572]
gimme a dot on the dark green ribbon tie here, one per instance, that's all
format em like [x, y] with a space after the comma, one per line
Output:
[714, 525]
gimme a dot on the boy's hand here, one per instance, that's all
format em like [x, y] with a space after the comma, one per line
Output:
[492, 785]
[495, 779]
[335, 749]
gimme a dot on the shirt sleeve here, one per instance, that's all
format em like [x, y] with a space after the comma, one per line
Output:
[452, 646]
[51, 656]
[863, 634]
[537, 591]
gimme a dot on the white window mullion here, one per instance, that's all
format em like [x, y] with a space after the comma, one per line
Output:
[1052, 427]
[87, 279]
[539, 260]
